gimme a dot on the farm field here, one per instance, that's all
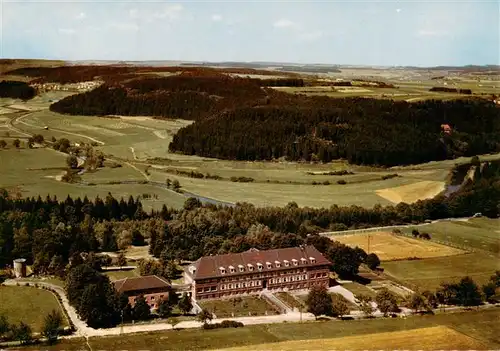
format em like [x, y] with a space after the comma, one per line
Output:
[476, 233]
[46, 164]
[429, 273]
[28, 304]
[432, 338]
[389, 247]
[244, 306]
[412, 192]
[480, 325]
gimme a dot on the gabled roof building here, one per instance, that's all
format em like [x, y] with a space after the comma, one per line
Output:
[252, 271]
[152, 287]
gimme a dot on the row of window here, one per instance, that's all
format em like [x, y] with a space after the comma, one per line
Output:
[263, 275]
[269, 265]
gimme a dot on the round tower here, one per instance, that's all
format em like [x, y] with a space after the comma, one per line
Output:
[20, 267]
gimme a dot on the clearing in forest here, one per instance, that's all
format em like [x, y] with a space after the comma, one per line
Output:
[390, 247]
[412, 192]
[432, 338]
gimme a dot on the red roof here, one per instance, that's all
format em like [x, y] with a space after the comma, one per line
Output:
[210, 266]
[140, 283]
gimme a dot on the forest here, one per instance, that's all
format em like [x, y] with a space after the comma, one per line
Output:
[16, 90]
[255, 122]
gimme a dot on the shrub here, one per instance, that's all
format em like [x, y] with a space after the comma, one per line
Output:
[341, 182]
[390, 176]
[242, 179]
[223, 324]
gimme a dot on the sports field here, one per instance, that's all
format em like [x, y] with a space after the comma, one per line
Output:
[432, 338]
[28, 304]
[390, 247]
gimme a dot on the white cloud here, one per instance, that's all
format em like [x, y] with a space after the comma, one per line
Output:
[81, 16]
[284, 23]
[431, 33]
[133, 13]
[124, 26]
[67, 31]
[171, 12]
[311, 36]
[216, 18]
[398, 10]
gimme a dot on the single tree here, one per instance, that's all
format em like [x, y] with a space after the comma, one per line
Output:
[468, 293]
[22, 333]
[417, 302]
[4, 325]
[415, 233]
[121, 260]
[366, 305]
[372, 261]
[72, 161]
[386, 301]
[185, 304]
[141, 310]
[51, 326]
[204, 316]
[164, 308]
[173, 298]
[3, 144]
[16, 143]
[339, 306]
[319, 301]
[489, 290]
[431, 299]
[176, 185]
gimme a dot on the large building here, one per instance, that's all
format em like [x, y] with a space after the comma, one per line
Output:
[152, 287]
[252, 271]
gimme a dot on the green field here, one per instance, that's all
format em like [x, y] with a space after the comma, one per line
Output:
[481, 325]
[116, 275]
[429, 273]
[33, 172]
[28, 304]
[477, 233]
[243, 306]
[289, 300]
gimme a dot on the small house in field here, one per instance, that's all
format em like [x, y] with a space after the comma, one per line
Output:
[153, 288]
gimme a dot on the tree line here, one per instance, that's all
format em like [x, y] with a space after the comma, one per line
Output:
[16, 90]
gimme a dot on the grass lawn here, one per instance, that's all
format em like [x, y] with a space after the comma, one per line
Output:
[476, 233]
[289, 300]
[50, 280]
[27, 304]
[116, 275]
[429, 273]
[481, 325]
[244, 306]
[389, 247]
[359, 289]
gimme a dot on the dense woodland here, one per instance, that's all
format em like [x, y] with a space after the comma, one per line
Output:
[16, 90]
[243, 119]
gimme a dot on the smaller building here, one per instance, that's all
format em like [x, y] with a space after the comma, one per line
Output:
[153, 288]
[20, 267]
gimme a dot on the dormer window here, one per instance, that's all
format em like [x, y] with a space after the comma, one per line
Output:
[312, 259]
[231, 269]
[222, 270]
[295, 262]
[269, 266]
[242, 269]
[259, 266]
[303, 260]
[250, 267]
[277, 263]
[287, 263]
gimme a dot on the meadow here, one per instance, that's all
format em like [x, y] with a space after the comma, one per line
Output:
[480, 325]
[238, 307]
[29, 305]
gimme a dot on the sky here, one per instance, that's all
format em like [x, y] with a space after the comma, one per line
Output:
[388, 33]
